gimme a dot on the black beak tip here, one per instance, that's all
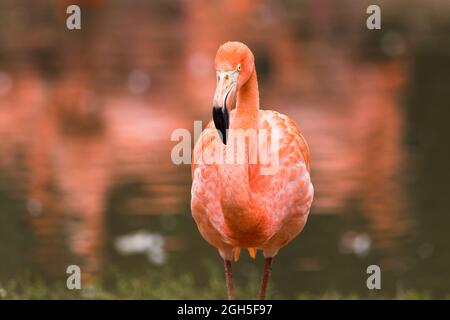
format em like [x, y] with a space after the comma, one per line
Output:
[220, 118]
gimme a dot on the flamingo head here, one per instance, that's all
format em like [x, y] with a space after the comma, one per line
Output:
[234, 66]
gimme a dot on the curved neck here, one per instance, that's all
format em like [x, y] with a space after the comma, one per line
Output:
[238, 207]
[247, 104]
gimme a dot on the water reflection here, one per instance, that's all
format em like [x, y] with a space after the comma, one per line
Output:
[85, 171]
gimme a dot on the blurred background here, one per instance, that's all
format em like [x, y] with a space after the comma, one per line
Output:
[86, 116]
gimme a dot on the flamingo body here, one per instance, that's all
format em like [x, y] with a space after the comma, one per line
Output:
[284, 198]
[233, 203]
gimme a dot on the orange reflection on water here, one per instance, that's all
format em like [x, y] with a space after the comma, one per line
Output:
[66, 143]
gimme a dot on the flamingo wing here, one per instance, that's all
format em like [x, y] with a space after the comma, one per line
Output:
[287, 194]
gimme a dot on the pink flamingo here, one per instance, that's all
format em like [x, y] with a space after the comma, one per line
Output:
[233, 204]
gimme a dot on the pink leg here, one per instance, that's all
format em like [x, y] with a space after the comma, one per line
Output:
[265, 279]
[229, 280]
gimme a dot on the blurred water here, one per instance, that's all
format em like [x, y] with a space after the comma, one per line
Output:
[85, 124]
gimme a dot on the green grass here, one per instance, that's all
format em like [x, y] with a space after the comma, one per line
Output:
[164, 284]
[167, 283]
[116, 286]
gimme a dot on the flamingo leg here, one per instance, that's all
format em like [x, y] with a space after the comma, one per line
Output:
[265, 280]
[229, 280]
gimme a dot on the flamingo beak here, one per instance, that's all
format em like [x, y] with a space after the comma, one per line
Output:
[224, 97]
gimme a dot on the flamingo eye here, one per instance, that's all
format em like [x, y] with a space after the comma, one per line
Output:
[239, 67]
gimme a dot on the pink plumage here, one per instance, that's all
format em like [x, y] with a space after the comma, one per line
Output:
[238, 204]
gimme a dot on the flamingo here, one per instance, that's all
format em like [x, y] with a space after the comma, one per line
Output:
[234, 205]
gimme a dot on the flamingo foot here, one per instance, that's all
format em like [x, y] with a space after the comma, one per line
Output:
[265, 280]
[229, 280]
[252, 252]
